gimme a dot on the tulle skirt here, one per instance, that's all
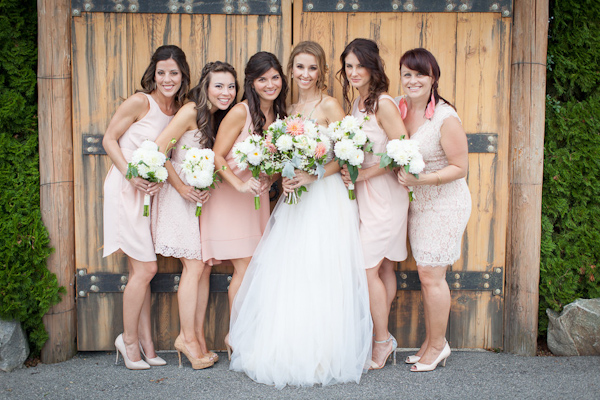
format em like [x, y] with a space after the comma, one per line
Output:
[301, 316]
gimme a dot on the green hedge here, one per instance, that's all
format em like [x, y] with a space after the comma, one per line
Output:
[570, 255]
[27, 288]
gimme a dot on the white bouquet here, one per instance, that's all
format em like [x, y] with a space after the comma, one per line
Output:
[199, 168]
[147, 162]
[252, 153]
[405, 154]
[350, 146]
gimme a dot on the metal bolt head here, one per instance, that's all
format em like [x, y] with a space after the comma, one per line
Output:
[339, 5]
[394, 6]
[273, 9]
[309, 6]
[81, 293]
[491, 148]
[94, 288]
[124, 278]
[81, 272]
[486, 285]
[229, 278]
[175, 288]
[409, 7]
[244, 9]
[498, 270]
[173, 8]
[355, 6]
[486, 276]
[122, 288]
[494, 7]
[228, 9]
[177, 278]
[87, 7]
[463, 7]
[491, 139]
[76, 12]
[456, 285]
[188, 8]
[94, 278]
[403, 285]
[505, 13]
[119, 7]
[403, 275]
[449, 7]
[497, 292]
[456, 276]
[133, 8]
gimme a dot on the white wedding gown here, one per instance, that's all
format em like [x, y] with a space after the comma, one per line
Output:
[301, 316]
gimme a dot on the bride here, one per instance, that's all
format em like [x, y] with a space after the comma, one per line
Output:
[301, 316]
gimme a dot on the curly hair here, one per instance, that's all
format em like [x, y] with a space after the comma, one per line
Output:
[421, 60]
[367, 53]
[314, 49]
[257, 65]
[164, 53]
[208, 123]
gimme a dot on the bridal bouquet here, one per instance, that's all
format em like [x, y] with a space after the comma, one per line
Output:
[252, 153]
[199, 169]
[296, 143]
[148, 163]
[406, 154]
[350, 146]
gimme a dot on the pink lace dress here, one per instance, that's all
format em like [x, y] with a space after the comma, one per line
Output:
[382, 202]
[231, 228]
[125, 227]
[175, 227]
[438, 215]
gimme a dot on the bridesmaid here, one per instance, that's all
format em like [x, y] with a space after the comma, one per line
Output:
[439, 214]
[175, 228]
[382, 202]
[231, 227]
[141, 117]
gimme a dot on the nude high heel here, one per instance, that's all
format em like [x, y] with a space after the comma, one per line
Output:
[228, 346]
[441, 360]
[135, 365]
[153, 362]
[392, 351]
[412, 359]
[197, 363]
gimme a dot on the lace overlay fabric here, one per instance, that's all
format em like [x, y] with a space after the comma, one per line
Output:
[175, 227]
[438, 216]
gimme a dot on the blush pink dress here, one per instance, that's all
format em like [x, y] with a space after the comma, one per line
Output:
[230, 226]
[175, 227]
[382, 201]
[125, 227]
[438, 215]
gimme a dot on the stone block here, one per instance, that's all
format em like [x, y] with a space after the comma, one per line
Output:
[14, 348]
[576, 330]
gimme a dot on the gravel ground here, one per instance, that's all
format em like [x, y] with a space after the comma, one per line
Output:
[468, 374]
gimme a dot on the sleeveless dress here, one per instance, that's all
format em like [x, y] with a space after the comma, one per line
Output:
[231, 228]
[382, 201]
[301, 316]
[438, 215]
[175, 227]
[125, 227]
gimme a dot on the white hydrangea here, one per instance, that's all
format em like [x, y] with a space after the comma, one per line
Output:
[417, 165]
[284, 143]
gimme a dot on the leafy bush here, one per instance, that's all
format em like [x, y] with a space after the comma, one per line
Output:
[27, 288]
[570, 255]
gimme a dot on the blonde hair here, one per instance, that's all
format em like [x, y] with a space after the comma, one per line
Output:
[314, 49]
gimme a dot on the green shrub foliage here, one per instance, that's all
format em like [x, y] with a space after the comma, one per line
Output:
[570, 255]
[27, 288]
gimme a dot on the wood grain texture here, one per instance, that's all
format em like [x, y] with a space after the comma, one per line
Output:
[56, 170]
[527, 113]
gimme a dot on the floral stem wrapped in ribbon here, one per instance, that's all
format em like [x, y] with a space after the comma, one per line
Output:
[199, 168]
[147, 162]
[296, 143]
[252, 153]
[404, 154]
[350, 145]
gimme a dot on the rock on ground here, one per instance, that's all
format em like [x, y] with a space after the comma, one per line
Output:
[576, 331]
[13, 345]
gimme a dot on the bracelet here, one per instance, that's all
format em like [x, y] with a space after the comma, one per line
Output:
[439, 178]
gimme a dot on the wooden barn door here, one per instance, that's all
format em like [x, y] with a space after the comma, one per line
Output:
[471, 42]
[112, 42]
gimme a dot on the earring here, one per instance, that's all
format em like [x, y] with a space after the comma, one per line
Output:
[403, 107]
[208, 105]
[430, 107]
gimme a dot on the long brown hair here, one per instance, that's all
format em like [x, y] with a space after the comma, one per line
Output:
[208, 123]
[421, 60]
[314, 49]
[163, 53]
[257, 65]
[367, 53]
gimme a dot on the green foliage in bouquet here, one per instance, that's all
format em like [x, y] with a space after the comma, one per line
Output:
[27, 288]
[570, 248]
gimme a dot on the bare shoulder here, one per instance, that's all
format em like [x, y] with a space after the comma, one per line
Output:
[331, 108]
[386, 106]
[238, 111]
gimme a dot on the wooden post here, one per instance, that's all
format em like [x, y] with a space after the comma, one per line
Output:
[56, 169]
[527, 113]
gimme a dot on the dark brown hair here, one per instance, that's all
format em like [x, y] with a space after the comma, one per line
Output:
[421, 60]
[257, 65]
[367, 53]
[314, 49]
[208, 123]
[163, 53]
